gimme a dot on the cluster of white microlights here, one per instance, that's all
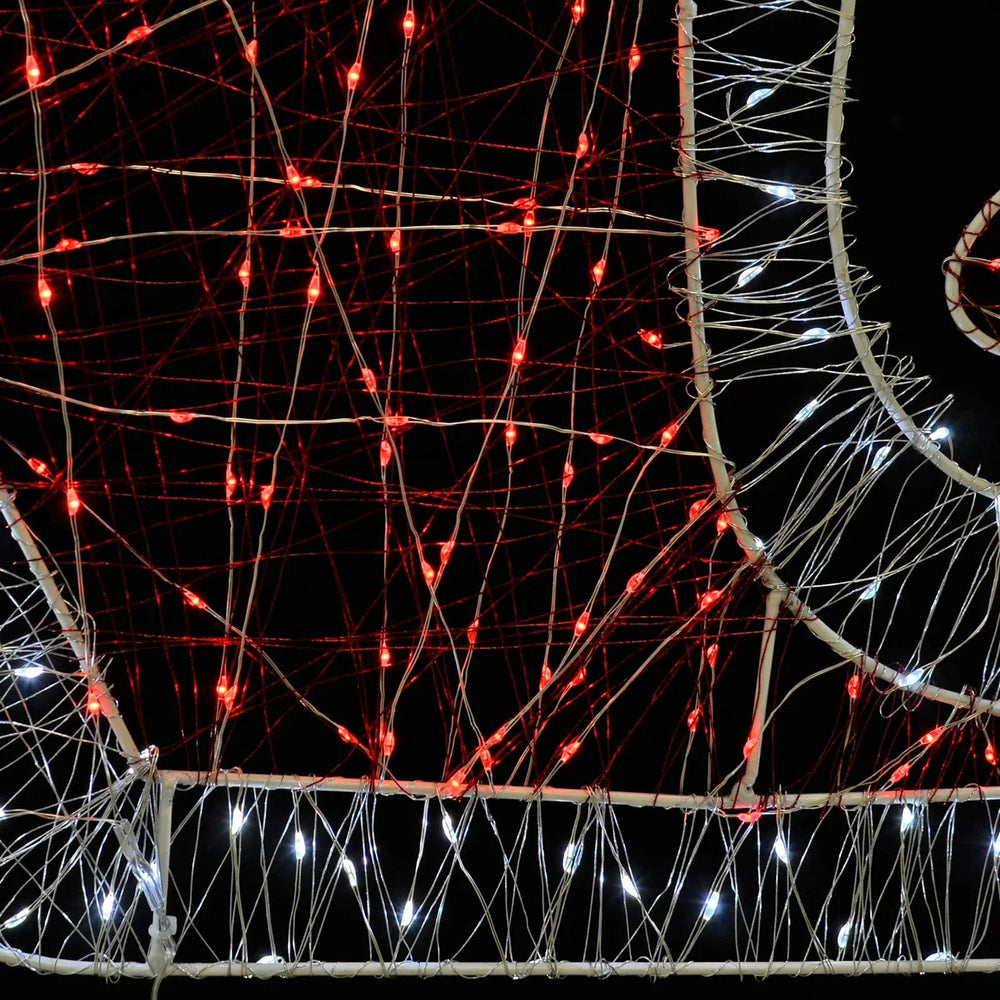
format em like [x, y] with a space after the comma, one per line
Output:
[571, 859]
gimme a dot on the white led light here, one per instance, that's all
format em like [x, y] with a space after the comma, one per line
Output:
[760, 94]
[748, 274]
[350, 871]
[449, 829]
[628, 885]
[939, 956]
[30, 671]
[779, 190]
[780, 851]
[880, 456]
[16, 920]
[571, 858]
[843, 935]
[906, 820]
[817, 333]
[711, 905]
[270, 960]
[996, 844]
[807, 411]
[910, 680]
[300, 845]
[236, 820]
[406, 917]
[871, 590]
[107, 906]
[939, 434]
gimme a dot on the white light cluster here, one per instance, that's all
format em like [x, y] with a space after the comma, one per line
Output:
[711, 905]
[628, 885]
[236, 819]
[30, 671]
[406, 917]
[107, 906]
[907, 818]
[300, 845]
[780, 191]
[780, 851]
[572, 855]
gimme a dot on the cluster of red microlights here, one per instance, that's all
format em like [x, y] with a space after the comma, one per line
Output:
[228, 692]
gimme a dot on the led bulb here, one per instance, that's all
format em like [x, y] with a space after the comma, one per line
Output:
[236, 820]
[910, 679]
[748, 274]
[628, 885]
[409, 23]
[807, 411]
[780, 191]
[29, 672]
[634, 58]
[758, 95]
[816, 333]
[406, 917]
[872, 589]
[843, 935]
[880, 456]
[940, 434]
[300, 845]
[347, 865]
[15, 920]
[711, 905]
[572, 856]
[449, 829]
[108, 906]
[353, 75]
[907, 818]
[780, 851]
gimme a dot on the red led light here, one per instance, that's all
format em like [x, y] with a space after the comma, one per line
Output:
[388, 743]
[313, 291]
[510, 435]
[72, 501]
[230, 483]
[579, 677]
[994, 265]
[599, 439]
[87, 169]
[581, 623]
[346, 735]
[292, 177]
[384, 656]
[990, 753]
[634, 58]
[395, 241]
[712, 654]
[138, 34]
[180, 417]
[899, 774]
[932, 736]
[707, 234]
[32, 71]
[577, 10]
[509, 228]
[446, 550]
[598, 271]
[251, 52]
[696, 508]
[409, 23]
[290, 232]
[456, 785]
[708, 599]
[529, 219]
[193, 599]
[567, 476]
[635, 582]
[428, 570]
[68, 244]
[368, 377]
[669, 433]
[384, 453]
[472, 631]
[520, 349]
[721, 523]
[39, 468]
[93, 701]
[353, 75]
[652, 338]
[854, 687]
[582, 145]
[266, 493]
[44, 293]
[694, 718]
[396, 420]
[568, 751]
[546, 676]
[750, 745]
[244, 273]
